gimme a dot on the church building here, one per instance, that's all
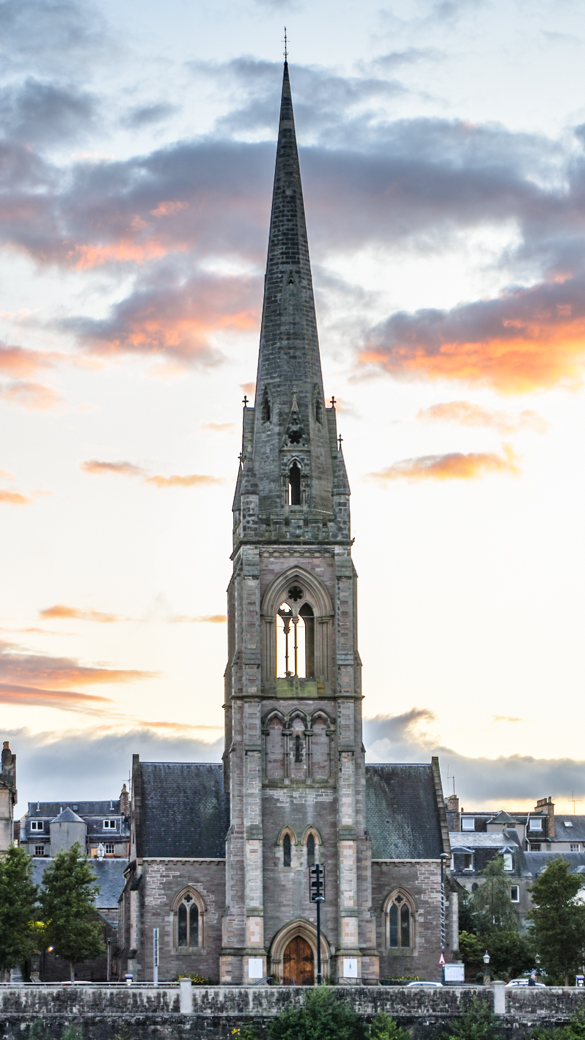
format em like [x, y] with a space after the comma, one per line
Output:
[221, 854]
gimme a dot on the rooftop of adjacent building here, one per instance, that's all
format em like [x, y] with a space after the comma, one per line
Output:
[109, 874]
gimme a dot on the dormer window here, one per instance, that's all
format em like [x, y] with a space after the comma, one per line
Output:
[535, 824]
[468, 823]
[37, 825]
[110, 825]
[508, 862]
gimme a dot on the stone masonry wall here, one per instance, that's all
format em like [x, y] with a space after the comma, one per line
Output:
[162, 881]
[146, 1013]
[422, 880]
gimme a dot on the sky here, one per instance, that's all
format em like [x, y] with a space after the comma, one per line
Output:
[442, 153]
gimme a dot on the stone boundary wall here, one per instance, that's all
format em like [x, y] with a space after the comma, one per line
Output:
[161, 1013]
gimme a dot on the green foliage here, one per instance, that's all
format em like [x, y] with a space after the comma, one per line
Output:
[245, 1032]
[324, 1016]
[37, 1031]
[466, 918]
[490, 904]
[477, 1023]
[67, 902]
[18, 898]
[558, 921]
[471, 949]
[72, 1033]
[385, 1028]
[575, 1030]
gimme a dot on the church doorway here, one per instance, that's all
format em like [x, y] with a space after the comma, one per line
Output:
[298, 963]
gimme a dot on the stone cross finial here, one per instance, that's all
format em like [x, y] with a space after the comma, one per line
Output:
[245, 401]
[333, 402]
[339, 440]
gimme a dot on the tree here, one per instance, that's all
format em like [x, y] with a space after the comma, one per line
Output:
[478, 1022]
[18, 908]
[490, 904]
[324, 1016]
[558, 919]
[67, 902]
[383, 1027]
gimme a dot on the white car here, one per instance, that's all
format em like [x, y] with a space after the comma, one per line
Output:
[524, 982]
[433, 984]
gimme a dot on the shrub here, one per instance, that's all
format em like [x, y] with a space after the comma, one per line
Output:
[324, 1016]
[197, 980]
[477, 1023]
[385, 1028]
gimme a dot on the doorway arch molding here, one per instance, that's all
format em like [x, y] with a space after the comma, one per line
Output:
[307, 930]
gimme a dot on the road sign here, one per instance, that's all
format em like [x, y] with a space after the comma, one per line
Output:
[442, 960]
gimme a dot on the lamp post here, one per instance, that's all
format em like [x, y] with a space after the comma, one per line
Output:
[443, 857]
[486, 969]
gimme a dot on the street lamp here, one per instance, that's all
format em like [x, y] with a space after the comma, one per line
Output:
[486, 969]
[443, 857]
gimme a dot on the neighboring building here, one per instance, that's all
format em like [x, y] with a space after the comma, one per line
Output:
[220, 857]
[8, 797]
[476, 837]
[101, 827]
[540, 830]
[109, 874]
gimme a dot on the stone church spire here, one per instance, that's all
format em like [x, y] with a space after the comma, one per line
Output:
[290, 446]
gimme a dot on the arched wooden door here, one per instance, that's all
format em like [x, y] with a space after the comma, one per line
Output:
[298, 963]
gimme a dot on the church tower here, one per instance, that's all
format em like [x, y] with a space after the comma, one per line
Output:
[294, 763]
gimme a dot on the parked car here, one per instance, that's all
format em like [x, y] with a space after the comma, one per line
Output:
[523, 982]
[421, 983]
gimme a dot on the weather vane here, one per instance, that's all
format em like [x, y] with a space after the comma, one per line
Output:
[285, 45]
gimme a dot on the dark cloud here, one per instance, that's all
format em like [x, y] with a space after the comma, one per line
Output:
[37, 112]
[78, 766]
[51, 35]
[495, 782]
[148, 115]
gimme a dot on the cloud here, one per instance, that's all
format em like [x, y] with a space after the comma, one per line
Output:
[452, 466]
[128, 469]
[525, 340]
[23, 668]
[249, 390]
[19, 361]
[14, 498]
[77, 765]
[174, 315]
[468, 414]
[38, 112]
[481, 781]
[65, 700]
[31, 395]
[148, 115]
[213, 619]
[226, 427]
[61, 611]
[506, 718]
[54, 34]
[189, 480]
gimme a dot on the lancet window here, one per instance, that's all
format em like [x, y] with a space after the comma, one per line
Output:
[399, 921]
[294, 485]
[189, 913]
[295, 638]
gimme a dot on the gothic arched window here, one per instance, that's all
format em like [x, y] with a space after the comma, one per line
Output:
[311, 849]
[399, 921]
[188, 911]
[294, 485]
[286, 850]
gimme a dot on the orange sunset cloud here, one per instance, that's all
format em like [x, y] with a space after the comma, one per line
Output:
[453, 466]
[213, 619]
[128, 469]
[467, 414]
[23, 668]
[524, 340]
[61, 611]
[66, 700]
[14, 498]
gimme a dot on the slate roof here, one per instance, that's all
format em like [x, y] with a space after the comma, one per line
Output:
[67, 816]
[535, 862]
[109, 876]
[402, 816]
[107, 807]
[185, 810]
[482, 840]
[574, 832]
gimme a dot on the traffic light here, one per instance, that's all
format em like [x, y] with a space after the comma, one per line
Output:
[317, 883]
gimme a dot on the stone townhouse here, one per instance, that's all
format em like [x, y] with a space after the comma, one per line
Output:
[220, 855]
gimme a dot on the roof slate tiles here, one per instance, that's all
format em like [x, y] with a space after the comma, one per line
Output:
[401, 812]
[185, 810]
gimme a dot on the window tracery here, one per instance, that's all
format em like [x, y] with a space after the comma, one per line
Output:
[399, 921]
[189, 912]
